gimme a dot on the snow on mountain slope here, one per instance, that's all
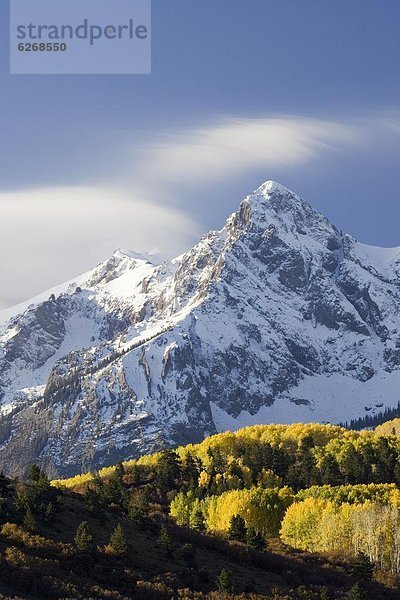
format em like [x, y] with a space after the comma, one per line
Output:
[278, 317]
[123, 263]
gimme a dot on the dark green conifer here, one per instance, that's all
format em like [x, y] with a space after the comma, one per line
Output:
[118, 541]
[225, 582]
[356, 593]
[254, 539]
[362, 566]
[30, 522]
[237, 529]
[164, 540]
[84, 537]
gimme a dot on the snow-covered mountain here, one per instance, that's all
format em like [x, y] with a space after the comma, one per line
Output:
[277, 317]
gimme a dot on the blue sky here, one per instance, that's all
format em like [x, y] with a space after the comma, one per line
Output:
[302, 91]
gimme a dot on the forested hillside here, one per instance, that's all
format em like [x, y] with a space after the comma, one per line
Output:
[298, 512]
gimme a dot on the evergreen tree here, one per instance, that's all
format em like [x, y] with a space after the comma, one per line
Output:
[168, 470]
[118, 541]
[93, 501]
[164, 540]
[355, 593]
[254, 539]
[30, 522]
[189, 555]
[99, 488]
[120, 471]
[84, 537]
[134, 475]
[396, 473]
[236, 473]
[237, 529]
[304, 473]
[386, 461]
[197, 521]
[114, 490]
[329, 471]
[191, 471]
[5, 485]
[38, 492]
[280, 462]
[138, 509]
[362, 566]
[216, 460]
[34, 473]
[349, 462]
[39, 483]
[49, 511]
[225, 582]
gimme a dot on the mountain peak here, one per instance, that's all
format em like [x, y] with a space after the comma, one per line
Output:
[274, 195]
[270, 187]
[122, 253]
[274, 204]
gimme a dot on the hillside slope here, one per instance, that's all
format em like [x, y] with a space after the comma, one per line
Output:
[269, 507]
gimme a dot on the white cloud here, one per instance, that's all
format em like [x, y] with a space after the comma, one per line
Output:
[50, 235]
[233, 147]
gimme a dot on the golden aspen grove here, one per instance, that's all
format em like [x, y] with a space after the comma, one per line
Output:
[268, 491]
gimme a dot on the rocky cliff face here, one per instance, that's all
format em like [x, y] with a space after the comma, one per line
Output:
[278, 317]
